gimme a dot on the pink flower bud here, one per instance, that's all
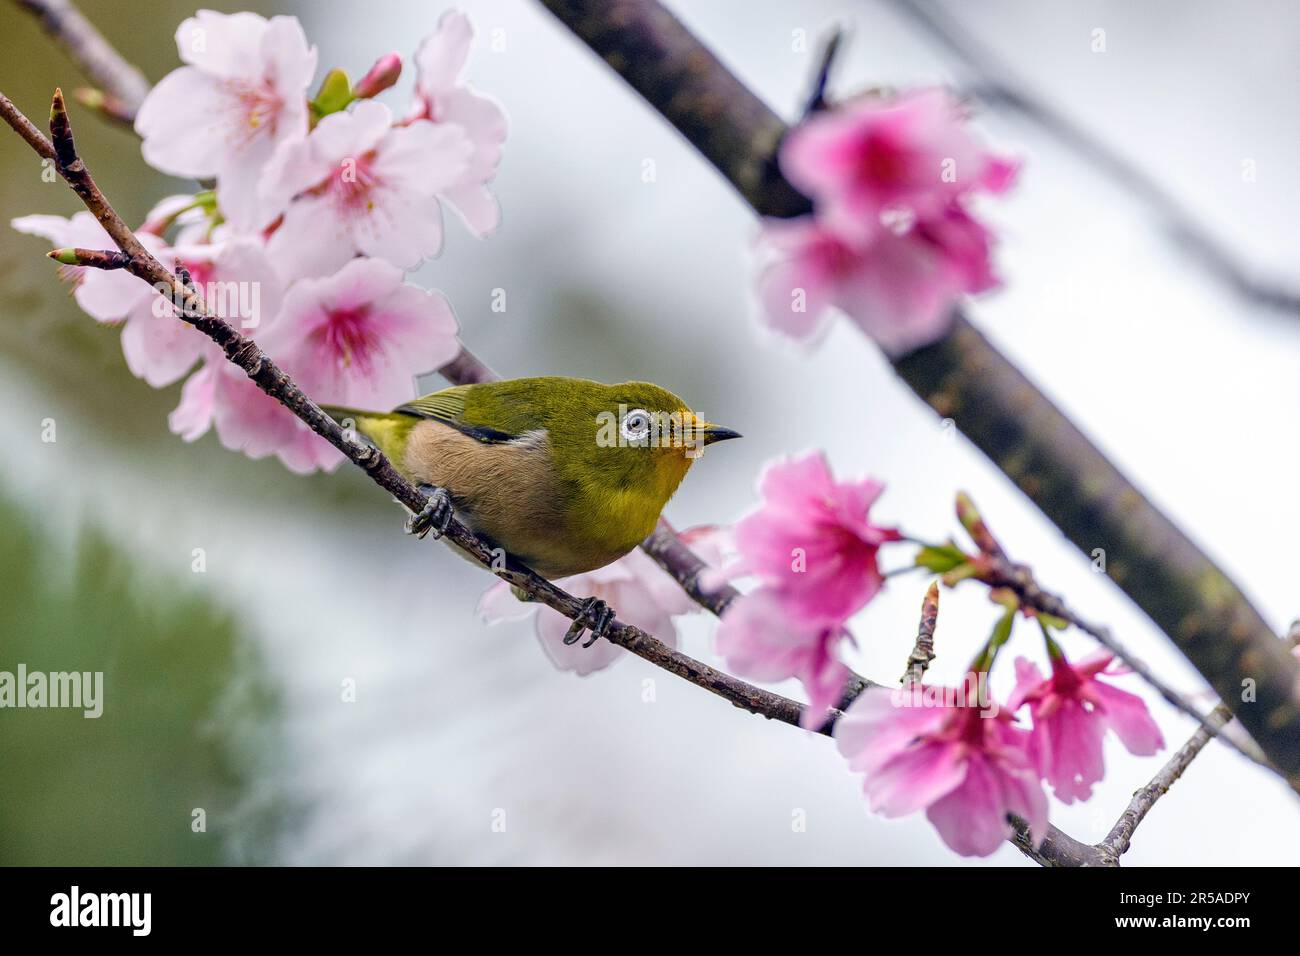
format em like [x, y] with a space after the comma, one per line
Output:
[381, 76]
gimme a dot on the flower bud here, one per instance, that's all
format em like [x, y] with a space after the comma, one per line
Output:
[380, 77]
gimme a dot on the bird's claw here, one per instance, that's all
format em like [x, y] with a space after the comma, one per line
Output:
[435, 516]
[596, 616]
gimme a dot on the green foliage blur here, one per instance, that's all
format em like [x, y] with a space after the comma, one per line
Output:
[185, 715]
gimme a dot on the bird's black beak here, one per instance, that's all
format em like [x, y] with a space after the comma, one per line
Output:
[716, 433]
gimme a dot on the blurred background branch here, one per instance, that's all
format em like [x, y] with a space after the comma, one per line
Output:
[120, 88]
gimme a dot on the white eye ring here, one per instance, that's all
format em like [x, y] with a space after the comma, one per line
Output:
[636, 425]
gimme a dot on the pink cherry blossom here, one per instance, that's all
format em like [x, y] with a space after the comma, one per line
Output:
[812, 541]
[1072, 710]
[876, 157]
[235, 279]
[441, 97]
[247, 419]
[359, 185]
[760, 639]
[356, 338]
[638, 589]
[937, 749]
[359, 337]
[105, 295]
[900, 288]
[242, 94]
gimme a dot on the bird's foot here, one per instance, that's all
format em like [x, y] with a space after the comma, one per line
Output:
[596, 616]
[435, 516]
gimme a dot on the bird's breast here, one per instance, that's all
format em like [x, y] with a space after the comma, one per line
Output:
[511, 494]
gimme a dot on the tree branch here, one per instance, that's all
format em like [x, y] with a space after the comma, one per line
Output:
[686, 568]
[121, 85]
[965, 378]
[1058, 848]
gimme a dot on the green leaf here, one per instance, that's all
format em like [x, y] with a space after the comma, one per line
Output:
[190, 718]
[941, 558]
[1002, 629]
[1001, 632]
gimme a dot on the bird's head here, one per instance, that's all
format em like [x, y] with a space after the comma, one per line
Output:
[631, 438]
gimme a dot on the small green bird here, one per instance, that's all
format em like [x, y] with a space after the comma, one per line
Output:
[564, 474]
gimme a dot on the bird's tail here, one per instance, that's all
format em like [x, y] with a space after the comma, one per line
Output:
[388, 431]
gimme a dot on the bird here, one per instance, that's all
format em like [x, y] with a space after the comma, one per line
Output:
[563, 474]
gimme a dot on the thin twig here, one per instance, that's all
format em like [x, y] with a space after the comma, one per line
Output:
[998, 86]
[923, 651]
[1117, 841]
[123, 86]
[817, 95]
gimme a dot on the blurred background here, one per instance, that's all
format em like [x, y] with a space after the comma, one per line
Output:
[223, 688]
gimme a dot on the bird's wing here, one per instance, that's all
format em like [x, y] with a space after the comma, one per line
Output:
[462, 407]
[447, 405]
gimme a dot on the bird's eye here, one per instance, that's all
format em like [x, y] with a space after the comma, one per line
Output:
[636, 425]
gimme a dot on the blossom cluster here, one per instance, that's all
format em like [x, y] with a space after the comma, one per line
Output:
[320, 206]
[812, 549]
[954, 752]
[891, 241]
